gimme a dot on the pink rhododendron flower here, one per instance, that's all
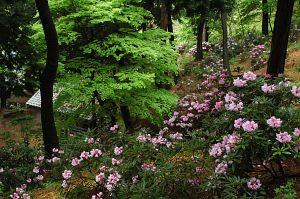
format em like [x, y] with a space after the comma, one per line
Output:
[98, 196]
[176, 136]
[239, 82]
[218, 105]
[221, 81]
[100, 177]
[268, 89]
[55, 150]
[84, 155]
[296, 132]
[96, 153]
[283, 137]
[249, 126]
[135, 179]
[19, 190]
[230, 97]
[75, 162]
[254, 184]
[89, 140]
[221, 168]
[36, 170]
[55, 159]
[113, 128]
[249, 76]
[15, 196]
[67, 174]
[216, 150]
[40, 177]
[274, 122]
[238, 123]
[234, 107]
[118, 150]
[141, 138]
[26, 196]
[112, 180]
[296, 91]
[116, 161]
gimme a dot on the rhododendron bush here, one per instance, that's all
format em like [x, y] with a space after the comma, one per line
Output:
[225, 139]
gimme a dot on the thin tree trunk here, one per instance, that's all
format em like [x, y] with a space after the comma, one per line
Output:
[265, 18]
[280, 37]
[225, 40]
[206, 32]
[2, 92]
[169, 16]
[47, 78]
[199, 54]
[126, 116]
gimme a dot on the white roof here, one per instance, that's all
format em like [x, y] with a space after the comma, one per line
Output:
[35, 100]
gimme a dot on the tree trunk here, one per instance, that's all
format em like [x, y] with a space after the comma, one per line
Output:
[280, 37]
[265, 18]
[206, 32]
[47, 77]
[126, 116]
[169, 16]
[2, 92]
[199, 54]
[163, 15]
[225, 40]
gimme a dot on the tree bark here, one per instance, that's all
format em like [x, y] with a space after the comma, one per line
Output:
[126, 116]
[169, 16]
[47, 77]
[280, 37]
[2, 92]
[265, 18]
[201, 23]
[163, 15]
[225, 39]
[206, 32]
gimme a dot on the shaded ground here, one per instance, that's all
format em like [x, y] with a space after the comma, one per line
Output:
[12, 131]
[291, 70]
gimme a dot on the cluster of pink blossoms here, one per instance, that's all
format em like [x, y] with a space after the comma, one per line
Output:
[283, 137]
[248, 126]
[97, 196]
[239, 82]
[232, 102]
[38, 173]
[20, 193]
[112, 179]
[158, 140]
[268, 88]
[296, 91]
[274, 122]
[114, 128]
[254, 184]
[249, 76]
[227, 145]
[221, 168]
[256, 55]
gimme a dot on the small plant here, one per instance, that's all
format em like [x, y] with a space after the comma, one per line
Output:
[286, 191]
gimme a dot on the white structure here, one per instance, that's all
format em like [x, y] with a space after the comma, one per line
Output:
[35, 100]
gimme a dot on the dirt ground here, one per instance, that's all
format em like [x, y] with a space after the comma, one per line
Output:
[14, 129]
